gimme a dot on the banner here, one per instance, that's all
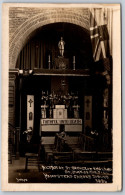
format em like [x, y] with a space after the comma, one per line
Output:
[88, 111]
[30, 111]
[61, 121]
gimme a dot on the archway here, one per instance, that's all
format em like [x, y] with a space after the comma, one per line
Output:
[77, 43]
[43, 42]
[22, 34]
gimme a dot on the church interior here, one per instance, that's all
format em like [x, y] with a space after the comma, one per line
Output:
[60, 102]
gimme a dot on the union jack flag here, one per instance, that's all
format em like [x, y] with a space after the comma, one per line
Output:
[98, 34]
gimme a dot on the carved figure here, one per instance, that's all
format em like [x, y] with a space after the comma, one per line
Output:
[61, 47]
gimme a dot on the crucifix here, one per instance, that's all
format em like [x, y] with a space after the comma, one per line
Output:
[30, 101]
[87, 102]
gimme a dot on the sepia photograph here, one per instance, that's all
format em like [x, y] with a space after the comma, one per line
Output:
[61, 110]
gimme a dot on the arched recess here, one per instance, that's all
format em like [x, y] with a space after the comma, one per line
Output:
[44, 42]
[22, 34]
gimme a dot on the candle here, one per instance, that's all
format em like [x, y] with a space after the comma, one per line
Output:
[48, 58]
[73, 59]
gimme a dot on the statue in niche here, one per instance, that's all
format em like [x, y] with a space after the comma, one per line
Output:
[61, 45]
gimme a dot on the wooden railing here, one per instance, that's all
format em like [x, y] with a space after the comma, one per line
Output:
[72, 149]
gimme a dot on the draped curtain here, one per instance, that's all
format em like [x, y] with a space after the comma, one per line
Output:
[101, 32]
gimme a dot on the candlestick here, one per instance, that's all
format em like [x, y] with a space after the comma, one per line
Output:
[49, 61]
[74, 65]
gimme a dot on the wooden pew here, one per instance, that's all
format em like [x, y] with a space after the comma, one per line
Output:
[62, 157]
[48, 145]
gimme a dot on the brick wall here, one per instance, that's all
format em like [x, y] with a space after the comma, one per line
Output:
[23, 21]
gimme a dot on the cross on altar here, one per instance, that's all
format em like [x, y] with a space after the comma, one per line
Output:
[87, 102]
[30, 101]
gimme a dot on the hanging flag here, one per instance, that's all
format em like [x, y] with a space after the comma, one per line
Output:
[99, 33]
